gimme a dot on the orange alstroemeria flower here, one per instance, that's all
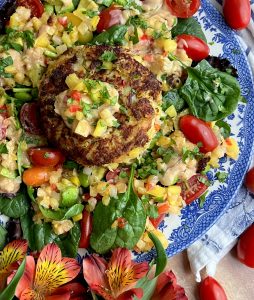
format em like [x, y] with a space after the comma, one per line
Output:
[114, 280]
[12, 254]
[42, 281]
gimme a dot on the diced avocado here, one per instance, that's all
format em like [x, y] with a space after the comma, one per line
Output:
[84, 179]
[7, 173]
[69, 196]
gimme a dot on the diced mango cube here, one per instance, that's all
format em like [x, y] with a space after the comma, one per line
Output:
[157, 191]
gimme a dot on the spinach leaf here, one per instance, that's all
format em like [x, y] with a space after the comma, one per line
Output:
[3, 149]
[225, 128]
[9, 292]
[39, 235]
[128, 206]
[173, 98]
[3, 235]
[114, 35]
[62, 213]
[5, 62]
[188, 26]
[14, 207]
[211, 95]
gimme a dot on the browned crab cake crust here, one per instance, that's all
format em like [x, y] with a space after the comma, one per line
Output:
[134, 125]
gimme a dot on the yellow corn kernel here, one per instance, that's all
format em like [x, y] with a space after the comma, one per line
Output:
[36, 23]
[163, 141]
[171, 111]
[170, 46]
[157, 191]
[10, 69]
[72, 81]
[42, 41]
[77, 217]
[174, 190]
[75, 180]
[232, 148]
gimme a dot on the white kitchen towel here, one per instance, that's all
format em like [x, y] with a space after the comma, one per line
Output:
[221, 238]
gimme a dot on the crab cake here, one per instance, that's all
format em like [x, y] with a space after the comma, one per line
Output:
[99, 105]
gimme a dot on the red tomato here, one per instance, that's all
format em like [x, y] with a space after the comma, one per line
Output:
[76, 95]
[4, 111]
[109, 17]
[210, 289]
[45, 156]
[194, 188]
[36, 176]
[237, 13]
[245, 247]
[36, 7]
[156, 222]
[183, 8]
[249, 180]
[74, 108]
[195, 48]
[86, 229]
[30, 118]
[198, 131]
[63, 21]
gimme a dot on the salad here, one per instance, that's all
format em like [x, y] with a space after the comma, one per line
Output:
[112, 113]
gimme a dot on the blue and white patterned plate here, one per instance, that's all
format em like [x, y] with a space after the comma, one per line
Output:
[195, 221]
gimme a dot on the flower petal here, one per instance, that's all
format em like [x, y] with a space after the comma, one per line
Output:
[74, 288]
[99, 290]
[12, 253]
[94, 270]
[29, 294]
[168, 289]
[128, 295]
[65, 296]
[53, 271]
[122, 272]
[27, 279]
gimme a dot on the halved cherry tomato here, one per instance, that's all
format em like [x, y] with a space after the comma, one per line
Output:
[183, 8]
[245, 247]
[36, 6]
[193, 188]
[210, 289]
[237, 13]
[63, 21]
[249, 180]
[36, 176]
[156, 221]
[109, 17]
[45, 156]
[198, 131]
[86, 229]
[30, 118]
[76, 95]
[195, 48]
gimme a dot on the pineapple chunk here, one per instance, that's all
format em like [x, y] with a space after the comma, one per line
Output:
[171, 111]
[73, 81]
[232, 148]
[100, 129]
[42, 41]
[88, 5]
[157, 191]
[83, 128]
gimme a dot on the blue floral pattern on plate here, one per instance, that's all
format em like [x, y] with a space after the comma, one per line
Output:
[195, 221]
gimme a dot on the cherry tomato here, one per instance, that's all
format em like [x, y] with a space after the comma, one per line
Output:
[30, 118]
[237, 13]
[63, 21]
[249, 180]
[36, 176]
[210, 289]
[36, 6]
[45, 156]
[195, 48]
[76, 95]
[156, 222]
[245, 247]
[183, 8]
[86, 229]
[198, 131]
[194, 188]
[109, 17]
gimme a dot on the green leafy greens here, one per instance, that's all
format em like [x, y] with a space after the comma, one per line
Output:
[113, 36]
[211, 95]
[105, 236]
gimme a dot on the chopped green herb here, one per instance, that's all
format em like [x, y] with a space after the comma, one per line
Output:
[191, 154]
[123, 174]
[69, 27]
[204, 180]
[123, 110]
[116, 124]
[108, 56]
[222, 176]
[166, 153]
[138, 22]
[90, 13]
[3, 149]
[5, 62]
[11, 39]
[104, 93]
[86, 109]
